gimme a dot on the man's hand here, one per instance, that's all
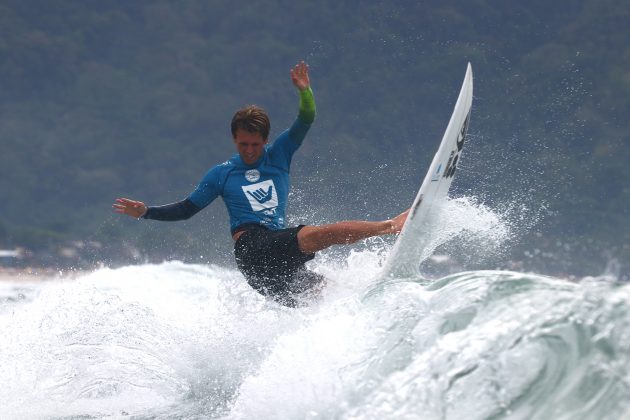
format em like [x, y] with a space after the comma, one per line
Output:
[299, 76]
[129, 207]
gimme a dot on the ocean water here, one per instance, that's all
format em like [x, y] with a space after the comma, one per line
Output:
[186, 341]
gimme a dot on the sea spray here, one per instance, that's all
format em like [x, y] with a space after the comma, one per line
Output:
[191, 341]
[470, 230]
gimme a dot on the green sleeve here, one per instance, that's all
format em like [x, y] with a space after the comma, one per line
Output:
[307, 106]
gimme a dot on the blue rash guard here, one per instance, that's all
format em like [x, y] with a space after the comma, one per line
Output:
[253, 194]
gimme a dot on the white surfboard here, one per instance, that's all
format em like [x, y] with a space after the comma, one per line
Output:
[410, 246]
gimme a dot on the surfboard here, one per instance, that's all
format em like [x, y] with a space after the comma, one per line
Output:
[412, 242]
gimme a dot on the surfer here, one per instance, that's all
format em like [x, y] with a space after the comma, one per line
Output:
[254, 185]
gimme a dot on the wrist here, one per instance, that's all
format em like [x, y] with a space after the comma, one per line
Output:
[307, 106]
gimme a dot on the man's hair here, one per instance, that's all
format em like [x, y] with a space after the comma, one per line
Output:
[253, 119]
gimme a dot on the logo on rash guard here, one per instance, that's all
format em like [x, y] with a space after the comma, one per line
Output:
[252, 175]
[262, 196]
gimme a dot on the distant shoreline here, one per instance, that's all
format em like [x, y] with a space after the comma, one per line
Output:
[32, 274]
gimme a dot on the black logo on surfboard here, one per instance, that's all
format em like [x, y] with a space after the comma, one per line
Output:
[451, 166]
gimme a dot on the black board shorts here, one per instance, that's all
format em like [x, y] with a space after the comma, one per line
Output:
[273, 264]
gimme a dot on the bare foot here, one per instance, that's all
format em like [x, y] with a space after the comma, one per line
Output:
[398, 221]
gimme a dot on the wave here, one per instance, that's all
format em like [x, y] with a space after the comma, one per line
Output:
[177, 340]
[195, 341]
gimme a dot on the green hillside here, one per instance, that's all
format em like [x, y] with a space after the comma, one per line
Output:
[119, 98]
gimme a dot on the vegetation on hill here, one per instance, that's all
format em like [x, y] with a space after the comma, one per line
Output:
[118, 98]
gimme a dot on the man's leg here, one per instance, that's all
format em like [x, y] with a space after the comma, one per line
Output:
[315, 238]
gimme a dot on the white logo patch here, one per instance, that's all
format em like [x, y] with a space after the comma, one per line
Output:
[262, 196]
[252, 175]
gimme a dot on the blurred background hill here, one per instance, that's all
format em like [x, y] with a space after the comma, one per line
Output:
[119, 98]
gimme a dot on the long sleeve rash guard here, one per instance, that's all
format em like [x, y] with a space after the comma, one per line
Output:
[256, 193]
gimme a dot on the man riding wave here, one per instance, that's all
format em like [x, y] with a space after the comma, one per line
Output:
[254, 185]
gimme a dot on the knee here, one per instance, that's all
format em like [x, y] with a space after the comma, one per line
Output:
[309, 239]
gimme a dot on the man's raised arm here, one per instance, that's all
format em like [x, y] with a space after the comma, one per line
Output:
[299, 77]
[306, 116]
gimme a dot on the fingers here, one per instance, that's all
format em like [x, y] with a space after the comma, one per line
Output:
[123, 207]
[127, 201]
[300, 70]
[299, 75]
[130, 207]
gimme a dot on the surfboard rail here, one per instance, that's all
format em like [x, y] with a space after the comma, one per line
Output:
[404, 258]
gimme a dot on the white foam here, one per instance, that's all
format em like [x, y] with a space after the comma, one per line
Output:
[195, 341]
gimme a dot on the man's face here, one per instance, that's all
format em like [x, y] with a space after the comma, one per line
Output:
[250, 146]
